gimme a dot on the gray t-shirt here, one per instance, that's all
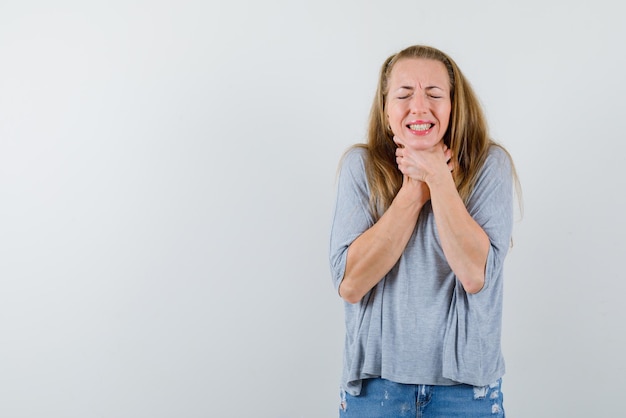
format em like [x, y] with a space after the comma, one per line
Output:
[418, 325]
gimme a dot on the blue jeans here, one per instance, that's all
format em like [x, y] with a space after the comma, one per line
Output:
[382, 398]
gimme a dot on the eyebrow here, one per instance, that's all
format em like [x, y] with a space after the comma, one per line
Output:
[426, 88]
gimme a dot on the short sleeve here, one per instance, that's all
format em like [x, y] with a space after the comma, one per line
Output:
[351, 216]
[491, 206]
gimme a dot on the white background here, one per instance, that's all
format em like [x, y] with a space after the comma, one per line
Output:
[167, 177]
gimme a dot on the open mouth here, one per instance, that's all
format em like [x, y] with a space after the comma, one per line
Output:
[420, 127]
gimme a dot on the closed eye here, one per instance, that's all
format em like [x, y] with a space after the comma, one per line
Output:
[434, 92]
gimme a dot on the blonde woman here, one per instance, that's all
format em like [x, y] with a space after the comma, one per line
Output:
[421, 228]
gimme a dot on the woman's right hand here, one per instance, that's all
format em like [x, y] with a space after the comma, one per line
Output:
[413, 191]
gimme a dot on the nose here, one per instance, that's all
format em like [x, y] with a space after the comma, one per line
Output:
[418, 103]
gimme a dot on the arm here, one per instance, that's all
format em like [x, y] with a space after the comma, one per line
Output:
[374, 253]
[464, 243]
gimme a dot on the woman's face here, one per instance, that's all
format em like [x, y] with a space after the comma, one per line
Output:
[418, 103]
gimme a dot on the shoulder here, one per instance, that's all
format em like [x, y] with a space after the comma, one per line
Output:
[496, 174]
[498, 160]
[354, 156]
[352, 171]
[353, 160]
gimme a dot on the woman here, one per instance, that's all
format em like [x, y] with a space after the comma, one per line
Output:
[422, 224]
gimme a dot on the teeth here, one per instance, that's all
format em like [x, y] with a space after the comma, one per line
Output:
[420, 127]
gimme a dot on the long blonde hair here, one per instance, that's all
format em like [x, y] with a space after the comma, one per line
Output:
[466, 136]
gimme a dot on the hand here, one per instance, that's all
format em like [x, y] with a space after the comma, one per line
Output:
[423, 165]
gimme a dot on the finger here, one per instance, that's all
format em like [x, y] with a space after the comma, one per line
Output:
[398, 141]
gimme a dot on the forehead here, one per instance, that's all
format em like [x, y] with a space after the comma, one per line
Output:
[419, 71]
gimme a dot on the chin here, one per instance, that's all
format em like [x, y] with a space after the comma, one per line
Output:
[423, 143]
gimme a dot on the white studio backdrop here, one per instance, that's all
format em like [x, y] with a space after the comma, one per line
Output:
[167, 177]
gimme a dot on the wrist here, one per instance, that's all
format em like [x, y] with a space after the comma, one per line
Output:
[412, 193]
[438, 179]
